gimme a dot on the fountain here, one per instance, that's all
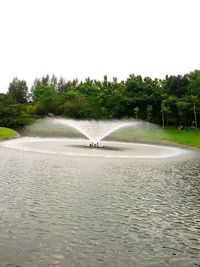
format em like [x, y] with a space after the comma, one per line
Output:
[95, 131]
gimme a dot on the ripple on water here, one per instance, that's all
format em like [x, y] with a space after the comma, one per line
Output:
[80, 148]
[62, 211]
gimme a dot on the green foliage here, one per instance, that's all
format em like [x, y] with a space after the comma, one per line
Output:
[46, 99]
[194, 83]
[174, 100]
[12, 115]
[176, 85]
[194, 92]
[75, 107]
[18, 90]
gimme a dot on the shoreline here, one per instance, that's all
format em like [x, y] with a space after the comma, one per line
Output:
[151, 141]
[9, 138]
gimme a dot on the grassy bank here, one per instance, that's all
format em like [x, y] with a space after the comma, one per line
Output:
[186, 136]
[6, 133]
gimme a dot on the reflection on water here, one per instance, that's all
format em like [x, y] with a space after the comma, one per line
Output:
[110, 148]
[62, 211]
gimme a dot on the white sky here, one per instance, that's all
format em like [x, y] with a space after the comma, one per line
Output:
[81, 38]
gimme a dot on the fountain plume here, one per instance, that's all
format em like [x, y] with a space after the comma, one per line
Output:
[95, 131]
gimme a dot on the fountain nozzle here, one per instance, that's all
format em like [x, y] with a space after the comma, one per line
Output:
[94, 145]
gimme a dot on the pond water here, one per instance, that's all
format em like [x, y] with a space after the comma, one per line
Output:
[63, 204]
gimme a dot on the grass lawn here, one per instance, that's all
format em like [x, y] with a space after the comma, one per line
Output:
[7, 133]
[185, 136]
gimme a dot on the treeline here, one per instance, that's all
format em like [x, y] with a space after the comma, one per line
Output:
[174, 100]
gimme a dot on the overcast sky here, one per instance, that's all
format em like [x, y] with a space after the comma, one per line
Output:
[90, 38]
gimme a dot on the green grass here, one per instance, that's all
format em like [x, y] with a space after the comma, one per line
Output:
[6, 133]
[185, 136]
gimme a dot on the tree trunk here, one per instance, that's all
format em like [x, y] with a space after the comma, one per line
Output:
[163, 120]
[195, 114]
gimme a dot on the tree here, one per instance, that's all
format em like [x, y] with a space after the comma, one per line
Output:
[75, 107]
[194, 100]
[11, 114]
[136, 111]
[46, 99]
[183, 107]
[54, 81]
[194, 91]
[176, 85]
[149, 112]
[18, 90]
[165, 109]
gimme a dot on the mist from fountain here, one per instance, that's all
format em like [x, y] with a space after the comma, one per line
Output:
[64, 137]
[94, 130]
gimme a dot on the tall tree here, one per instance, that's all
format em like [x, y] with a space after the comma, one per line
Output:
[18, 90]
[194, 99]
[194, 91]
[149, 112]
[136, 111]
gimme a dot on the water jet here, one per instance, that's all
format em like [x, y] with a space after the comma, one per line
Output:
[95, 130]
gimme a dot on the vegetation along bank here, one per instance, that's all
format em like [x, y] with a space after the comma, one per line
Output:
[172, 102]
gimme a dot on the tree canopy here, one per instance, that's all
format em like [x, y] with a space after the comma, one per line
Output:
[174, 100]
[18, 90]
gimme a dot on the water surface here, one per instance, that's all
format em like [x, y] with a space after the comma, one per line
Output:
[61, 210]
